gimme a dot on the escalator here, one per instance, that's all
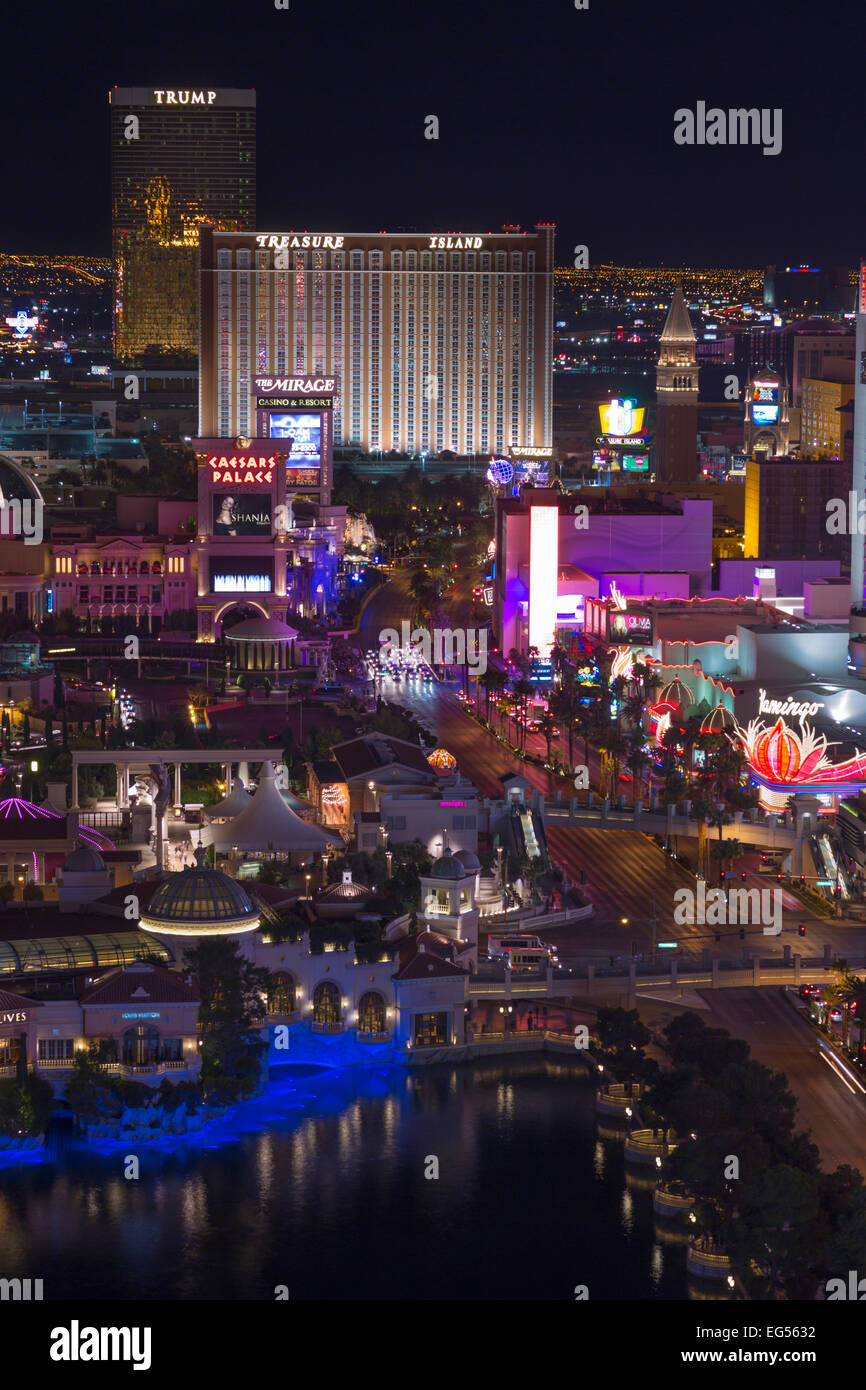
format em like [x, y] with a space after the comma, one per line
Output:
[529, 838]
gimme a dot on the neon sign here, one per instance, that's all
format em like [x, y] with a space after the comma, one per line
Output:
[185, 98]
[621, 417]
[800, 711]
[305, 385]
[455, 243]
[281, 243]
[241, 468]
[22, 323]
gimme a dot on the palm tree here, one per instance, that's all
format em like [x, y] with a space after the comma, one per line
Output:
[496, 681]
[548, 724]
[719, 817]
[616, 747]
[728, 851]
[853, 991]
[523, 689]
[565, 706]
[638, 759]
[701, 811]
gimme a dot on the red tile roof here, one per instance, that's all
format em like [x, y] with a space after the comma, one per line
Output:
[17, 1001]
[141, 983]
[424, 965]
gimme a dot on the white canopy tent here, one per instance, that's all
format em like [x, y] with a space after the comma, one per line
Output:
[268, 824]
[237, 800]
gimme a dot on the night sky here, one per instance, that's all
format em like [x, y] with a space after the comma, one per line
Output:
[546, 114]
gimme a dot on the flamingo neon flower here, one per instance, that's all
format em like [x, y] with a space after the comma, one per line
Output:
[782, 757]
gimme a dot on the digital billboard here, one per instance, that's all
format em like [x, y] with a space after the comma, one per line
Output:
[631, 627]
[765, 402]
[532, 472]
[241, 574]
[241, 513]
[621, 417]
[302, 435]
[532, 464]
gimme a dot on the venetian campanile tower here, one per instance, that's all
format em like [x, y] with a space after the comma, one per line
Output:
[676, 453]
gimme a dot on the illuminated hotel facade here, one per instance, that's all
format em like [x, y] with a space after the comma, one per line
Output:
[179, 157]
[437, 341]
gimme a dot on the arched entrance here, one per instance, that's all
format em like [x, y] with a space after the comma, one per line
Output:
[235, 613]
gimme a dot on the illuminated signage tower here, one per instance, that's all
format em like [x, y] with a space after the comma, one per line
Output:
[858, 482]
[677, 397]
[179, 157]
[623, 445]
[765, 425]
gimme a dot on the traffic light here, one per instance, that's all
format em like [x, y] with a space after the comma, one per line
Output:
[837, 891]
[742, 934]
[743, 874]
[802, 880]
[801, 930]
[779, 878]
[722, 875]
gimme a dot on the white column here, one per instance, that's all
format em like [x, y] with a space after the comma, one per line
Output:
[177, 788]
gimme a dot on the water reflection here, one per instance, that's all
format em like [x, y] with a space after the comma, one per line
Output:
[320, 1185]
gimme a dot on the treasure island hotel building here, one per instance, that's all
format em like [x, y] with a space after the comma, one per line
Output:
[179, 157]
[435, 341]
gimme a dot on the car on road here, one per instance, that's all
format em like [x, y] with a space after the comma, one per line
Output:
[810, 991]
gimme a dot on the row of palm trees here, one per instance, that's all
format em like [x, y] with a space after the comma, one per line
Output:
[849, 994]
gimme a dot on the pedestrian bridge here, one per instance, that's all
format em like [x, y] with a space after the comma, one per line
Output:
[787, 831]
[670, 978]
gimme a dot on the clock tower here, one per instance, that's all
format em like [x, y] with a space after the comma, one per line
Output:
[676, 454]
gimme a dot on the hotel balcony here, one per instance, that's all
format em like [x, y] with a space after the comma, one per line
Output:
[328, 1027]
[374, 1037]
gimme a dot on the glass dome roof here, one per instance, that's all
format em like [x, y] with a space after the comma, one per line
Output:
[198, 902]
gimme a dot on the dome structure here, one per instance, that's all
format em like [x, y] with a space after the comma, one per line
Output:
[448, 866]
[471, 863]
[718, 721]
[343, 899]
[675, 693]
[441, 760]
[199, 902]
[84, 859]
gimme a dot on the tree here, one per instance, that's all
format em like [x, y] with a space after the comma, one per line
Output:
[548, 724]
[853, 997]
[523, 689]
[232, 990]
